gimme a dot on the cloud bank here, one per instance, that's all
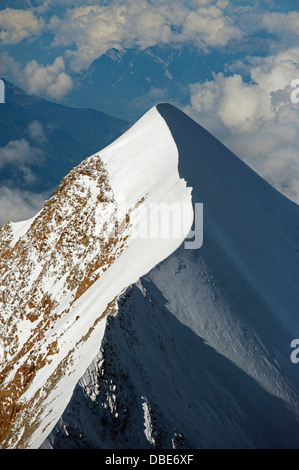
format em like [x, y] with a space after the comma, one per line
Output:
[93, 29]
[16, 205]
[17, 25]
[50, 79]
[256, 120]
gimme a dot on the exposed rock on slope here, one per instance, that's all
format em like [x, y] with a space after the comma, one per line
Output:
[62, 271]
[199, 353]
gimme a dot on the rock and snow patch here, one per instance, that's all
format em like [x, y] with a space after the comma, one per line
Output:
[205, 336]
[148, 427]
[60, 277]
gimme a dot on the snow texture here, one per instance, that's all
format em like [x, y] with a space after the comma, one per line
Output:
[198, 355]
[53, 253]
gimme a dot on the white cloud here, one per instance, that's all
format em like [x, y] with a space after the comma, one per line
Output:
[36, 132]
[222, 3]
[281, 23]
[49, 79]
[21, 155]
[272, 150]
[46, 5]
[17, 25]
[256, 120]
[243, 106]
[19, 152]
[16, 205]
[9, 66]
[210, 27]
[94, 29]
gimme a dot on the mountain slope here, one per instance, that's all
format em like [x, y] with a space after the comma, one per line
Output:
[62, 271]
[199, 353]
[127, 82]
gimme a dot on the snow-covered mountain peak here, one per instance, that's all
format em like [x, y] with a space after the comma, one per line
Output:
[62, 271]
[198, 355]
[103, 310]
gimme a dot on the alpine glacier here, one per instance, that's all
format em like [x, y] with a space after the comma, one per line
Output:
[137, 342]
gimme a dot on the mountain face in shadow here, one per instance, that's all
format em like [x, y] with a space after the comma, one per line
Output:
[157, 384]
[198, 355]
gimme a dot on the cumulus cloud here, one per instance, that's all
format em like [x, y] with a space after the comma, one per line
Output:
[9, 66]
[16, 205]
[93, 29]
[49, 79]
[20, 155]
[281, 23]
[46, 5]
[17, 25]
[36, 132]
[257, 120]
[19, 152]
[210, 26]
[90, 27]
[272, 150]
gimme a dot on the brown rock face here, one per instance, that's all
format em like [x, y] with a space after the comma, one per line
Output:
[68, 246]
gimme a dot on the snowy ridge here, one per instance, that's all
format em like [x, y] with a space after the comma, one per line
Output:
[62, 272]
[198, 355]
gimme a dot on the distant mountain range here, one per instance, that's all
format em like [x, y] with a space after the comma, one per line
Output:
[127, 82]
[40, 141]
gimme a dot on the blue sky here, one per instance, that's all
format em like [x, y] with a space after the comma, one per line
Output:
[45, 45]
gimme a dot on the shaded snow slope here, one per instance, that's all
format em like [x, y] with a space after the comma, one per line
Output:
[62, 272]
[251, 235]
[157, 383]
[199, 353]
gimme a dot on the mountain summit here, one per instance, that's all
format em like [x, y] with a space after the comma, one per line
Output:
[115, 335]
[62, 271]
